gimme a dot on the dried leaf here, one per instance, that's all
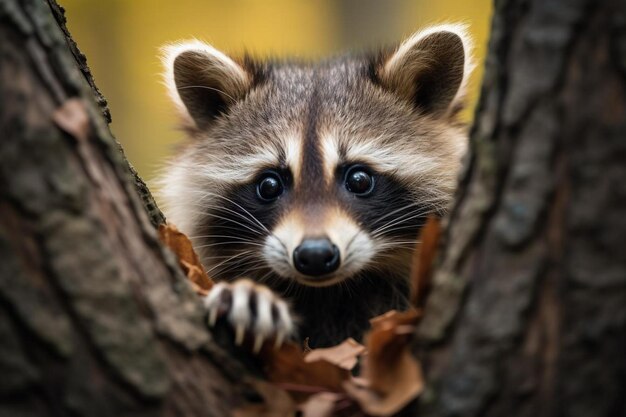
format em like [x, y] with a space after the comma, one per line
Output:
[423, 259]
[392, 376]
[180, 244]
[345, 355]
[288, 368]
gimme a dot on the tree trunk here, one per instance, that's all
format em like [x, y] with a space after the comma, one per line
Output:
[527, 316]
[96, 318]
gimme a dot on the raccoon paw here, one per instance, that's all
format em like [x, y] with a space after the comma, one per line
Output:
[250, 307]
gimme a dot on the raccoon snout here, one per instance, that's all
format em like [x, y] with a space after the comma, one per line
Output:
[316, 257]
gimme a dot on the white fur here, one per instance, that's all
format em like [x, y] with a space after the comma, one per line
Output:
[230, 73]
[428, 164]
[407, 51]
[354, 245]
[386, 160]
[330, 156]
[293, 155]
[182, 185]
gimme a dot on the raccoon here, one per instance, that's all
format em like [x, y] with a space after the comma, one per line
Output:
[303, 185]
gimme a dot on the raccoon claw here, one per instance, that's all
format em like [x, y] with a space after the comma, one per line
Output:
[250, 308]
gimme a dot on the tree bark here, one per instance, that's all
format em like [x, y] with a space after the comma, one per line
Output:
[96, 318]
[527, 316]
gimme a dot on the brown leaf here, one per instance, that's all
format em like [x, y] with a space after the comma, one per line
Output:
[423, 259]
[180, 244]
[288, 368]
[392, 376]
[344, 355]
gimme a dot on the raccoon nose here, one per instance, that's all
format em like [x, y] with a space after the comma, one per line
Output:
[316, 257]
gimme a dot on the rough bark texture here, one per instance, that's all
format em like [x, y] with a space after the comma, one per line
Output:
[156, 217]
[528, 312]
[96, 319]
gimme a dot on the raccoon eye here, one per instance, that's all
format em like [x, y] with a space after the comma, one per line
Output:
[359, 181]
[269, 187]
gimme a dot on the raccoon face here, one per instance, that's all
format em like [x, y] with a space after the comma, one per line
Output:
[315, 173]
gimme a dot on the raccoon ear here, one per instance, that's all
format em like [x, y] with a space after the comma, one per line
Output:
[430, 69]
[202, 81]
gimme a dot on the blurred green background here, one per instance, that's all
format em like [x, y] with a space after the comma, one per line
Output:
[121, 39]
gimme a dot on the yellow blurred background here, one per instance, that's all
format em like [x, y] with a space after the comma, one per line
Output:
[121, 39]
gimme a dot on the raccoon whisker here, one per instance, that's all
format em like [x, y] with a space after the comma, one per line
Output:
[379, 267]
[256, 231]
[354, 278]
[227, 256]
[264, 277]
[397, 227]
[398, 210]
[281, 244]
[252, 217]
[352, 239]
[271, 278]
[422, 208]
[401, 225]
[402, 219]
[292, 286]
[348, 260]
[398, 243]
[234, 274]
[254, 267]
[219, 208]
[228, 220]
[373, 266]
[248, 263]
[220, 236]
[229, 272]
[207, 193]
[238, 270]
[238, 229]
[185, 87]
[352, 284]
[234, 242]
[423, 203]
[348, 245]
[343, 285]
[225, 261]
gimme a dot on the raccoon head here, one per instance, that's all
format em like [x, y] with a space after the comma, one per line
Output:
[315, 173]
